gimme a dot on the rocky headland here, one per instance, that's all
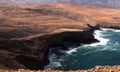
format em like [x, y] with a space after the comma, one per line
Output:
[31, 52]
[27, 33]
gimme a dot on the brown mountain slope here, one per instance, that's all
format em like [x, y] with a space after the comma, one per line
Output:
[30, 52]
[79, 14]
[27, 32]
[96, 14]
[27, 20]
[19, 22]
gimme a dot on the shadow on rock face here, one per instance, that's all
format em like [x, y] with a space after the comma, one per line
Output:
[30, 62]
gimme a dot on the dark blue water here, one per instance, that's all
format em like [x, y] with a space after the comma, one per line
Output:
[106, 52]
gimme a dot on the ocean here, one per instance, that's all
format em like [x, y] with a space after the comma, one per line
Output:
[86, 56]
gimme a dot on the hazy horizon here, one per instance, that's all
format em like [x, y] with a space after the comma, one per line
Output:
[100, 3]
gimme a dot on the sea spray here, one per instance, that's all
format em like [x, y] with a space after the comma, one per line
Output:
[114, 30]
[71, 51]
[105, 52]
[54, 63]
[98, 36]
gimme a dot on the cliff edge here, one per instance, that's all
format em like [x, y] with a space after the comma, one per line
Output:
[27, 33]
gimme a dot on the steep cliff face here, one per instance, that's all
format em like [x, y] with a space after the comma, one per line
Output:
[31, 52]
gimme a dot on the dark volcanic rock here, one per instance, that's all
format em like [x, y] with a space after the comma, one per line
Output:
[31, 62]
[31, 52]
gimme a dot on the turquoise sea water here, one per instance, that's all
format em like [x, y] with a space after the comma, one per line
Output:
[106, 52]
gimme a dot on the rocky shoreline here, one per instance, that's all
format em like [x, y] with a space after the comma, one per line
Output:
[27, 35]
[32, 52]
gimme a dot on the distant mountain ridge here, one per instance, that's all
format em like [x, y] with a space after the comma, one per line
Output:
[15, 2]
[100, 3]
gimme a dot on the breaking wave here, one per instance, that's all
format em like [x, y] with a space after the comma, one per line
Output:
[98, 36]
[100, 47]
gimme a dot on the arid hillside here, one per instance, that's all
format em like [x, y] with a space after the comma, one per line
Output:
[29, 20]
[19, 22]
[27, 32]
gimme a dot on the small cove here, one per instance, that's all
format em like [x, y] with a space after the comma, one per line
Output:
[105, 52]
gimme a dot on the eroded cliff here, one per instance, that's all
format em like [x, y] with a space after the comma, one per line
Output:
[31, 52]
[27, 33]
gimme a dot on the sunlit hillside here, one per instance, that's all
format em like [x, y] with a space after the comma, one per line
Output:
[34, 19]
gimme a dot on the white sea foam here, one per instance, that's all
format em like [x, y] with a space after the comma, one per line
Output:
[71, 51]
[105, 29]
[54, 63]
[106, 49]
[114, 30]
[103, 41]
[87, 53]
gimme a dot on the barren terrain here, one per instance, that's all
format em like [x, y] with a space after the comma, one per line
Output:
[29, 20]
[26, 31]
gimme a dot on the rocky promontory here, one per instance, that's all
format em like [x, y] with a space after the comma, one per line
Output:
[27, 32]
[31, 52]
